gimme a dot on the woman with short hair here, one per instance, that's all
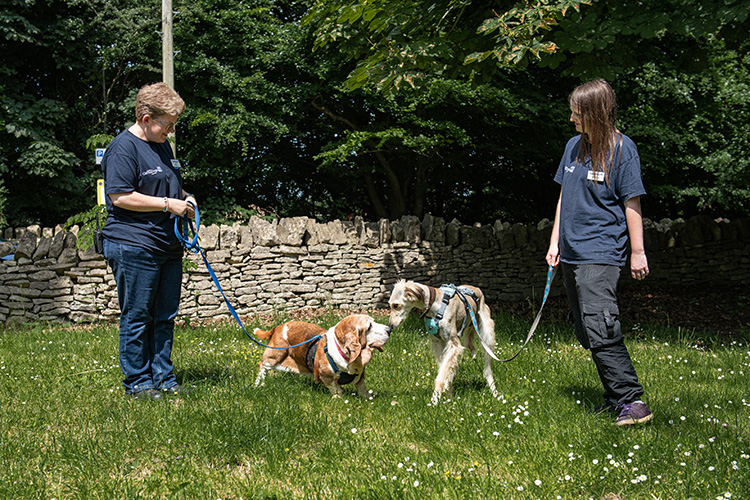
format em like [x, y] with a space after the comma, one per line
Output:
[144, 194]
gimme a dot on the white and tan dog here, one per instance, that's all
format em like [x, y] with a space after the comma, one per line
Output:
[446, 344]
[337, 358]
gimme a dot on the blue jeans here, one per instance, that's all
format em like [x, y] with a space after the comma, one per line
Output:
[148, 290]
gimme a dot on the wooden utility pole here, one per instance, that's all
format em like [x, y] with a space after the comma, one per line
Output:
[167, 55]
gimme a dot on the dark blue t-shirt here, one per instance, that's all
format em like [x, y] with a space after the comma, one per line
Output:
[132, 164]
[593, 229]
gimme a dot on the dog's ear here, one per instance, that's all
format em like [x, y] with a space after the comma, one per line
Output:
[352, 331]
[414, 292]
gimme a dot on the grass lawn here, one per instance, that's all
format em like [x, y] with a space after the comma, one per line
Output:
[67, 432]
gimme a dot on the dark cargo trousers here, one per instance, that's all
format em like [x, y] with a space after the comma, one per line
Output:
[591, 290]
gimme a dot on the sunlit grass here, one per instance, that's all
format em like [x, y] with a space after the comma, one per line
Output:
[66, 431]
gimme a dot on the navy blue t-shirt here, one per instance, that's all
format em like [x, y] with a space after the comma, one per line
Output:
[132, 164]
[593, 229]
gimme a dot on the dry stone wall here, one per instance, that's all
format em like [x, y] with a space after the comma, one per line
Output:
[297, 262]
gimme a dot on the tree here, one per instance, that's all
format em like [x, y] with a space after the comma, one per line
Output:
[397, 42]
[680, 51]
[610, 37]
[269, 124]
[67, 65]
[470, 127]
[691, 129]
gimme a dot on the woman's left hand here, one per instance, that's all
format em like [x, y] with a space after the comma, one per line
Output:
[638, 265]
[182, 207]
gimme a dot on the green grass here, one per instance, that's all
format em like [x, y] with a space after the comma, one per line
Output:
[66, 431]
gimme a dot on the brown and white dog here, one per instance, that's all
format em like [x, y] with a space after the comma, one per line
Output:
[446, 344]
[337, 358]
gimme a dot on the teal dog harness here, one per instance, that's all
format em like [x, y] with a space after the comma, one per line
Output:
[449, 291]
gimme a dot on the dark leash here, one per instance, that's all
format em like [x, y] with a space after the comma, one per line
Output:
[551, 271]
[182, 231]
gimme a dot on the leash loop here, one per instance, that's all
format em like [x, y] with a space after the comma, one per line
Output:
[183, 231]
[182, 228]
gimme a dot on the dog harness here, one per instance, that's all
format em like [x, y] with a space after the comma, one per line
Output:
[343, 377]
[310, 355]
[432, 324]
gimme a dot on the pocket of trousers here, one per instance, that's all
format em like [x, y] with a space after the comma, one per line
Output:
[601, 324]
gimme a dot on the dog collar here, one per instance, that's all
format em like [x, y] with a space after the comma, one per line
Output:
[338, 347]
[332, 341]
[342, 377]
[430, 301]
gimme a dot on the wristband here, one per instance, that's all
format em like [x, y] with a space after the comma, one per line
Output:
[166, 205]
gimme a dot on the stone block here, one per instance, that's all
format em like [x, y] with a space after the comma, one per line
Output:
[291, 231]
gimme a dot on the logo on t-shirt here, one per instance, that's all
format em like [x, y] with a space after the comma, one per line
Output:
[570, 169]
[153, 171]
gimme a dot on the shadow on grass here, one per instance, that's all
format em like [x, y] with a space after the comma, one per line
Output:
[590, 396]
[291, 382]
[469, 384]
[201, 376]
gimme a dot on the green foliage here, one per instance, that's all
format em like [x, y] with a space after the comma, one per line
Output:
[406, 44]
[98, 141]
[437, 150]
[286, 109]
[3, 203]
[694, 155]
[517, 32]
[87, 221]
[692, 161]
[225, 210]
[611, 36]
[55, 94]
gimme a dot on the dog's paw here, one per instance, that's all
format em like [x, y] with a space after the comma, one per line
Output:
[335, 390]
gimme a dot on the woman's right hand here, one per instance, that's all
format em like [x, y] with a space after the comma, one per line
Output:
[553, 255]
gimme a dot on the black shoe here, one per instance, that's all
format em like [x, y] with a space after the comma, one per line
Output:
[145, 394]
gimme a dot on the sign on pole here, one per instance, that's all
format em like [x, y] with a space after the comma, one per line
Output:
[100, 155]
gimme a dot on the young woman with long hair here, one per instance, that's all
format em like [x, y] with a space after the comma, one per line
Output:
[598, 213]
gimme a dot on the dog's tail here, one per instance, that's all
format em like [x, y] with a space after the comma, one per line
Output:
[262, 334]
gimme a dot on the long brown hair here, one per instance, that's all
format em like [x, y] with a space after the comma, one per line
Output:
[596, 105]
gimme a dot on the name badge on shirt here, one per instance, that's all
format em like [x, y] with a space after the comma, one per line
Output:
[175, 164]
[596, 176]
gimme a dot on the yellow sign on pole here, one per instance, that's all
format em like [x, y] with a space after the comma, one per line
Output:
[100, 192]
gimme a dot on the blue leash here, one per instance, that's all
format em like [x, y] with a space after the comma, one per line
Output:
[183, 234]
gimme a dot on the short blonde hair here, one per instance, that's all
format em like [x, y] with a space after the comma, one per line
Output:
[158, 99]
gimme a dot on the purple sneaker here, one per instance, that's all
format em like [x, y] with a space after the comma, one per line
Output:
[634, 413]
